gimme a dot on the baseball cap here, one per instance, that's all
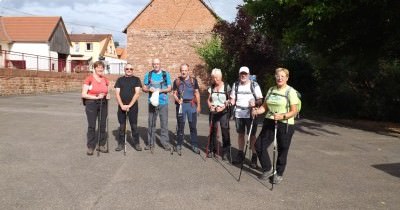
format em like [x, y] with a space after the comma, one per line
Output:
[244, 69]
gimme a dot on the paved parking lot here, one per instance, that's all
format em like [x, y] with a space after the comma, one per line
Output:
[43, 165]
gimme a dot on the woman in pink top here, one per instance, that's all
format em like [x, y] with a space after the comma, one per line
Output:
[94, 93]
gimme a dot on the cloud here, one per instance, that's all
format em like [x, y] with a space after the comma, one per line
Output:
[99, 16]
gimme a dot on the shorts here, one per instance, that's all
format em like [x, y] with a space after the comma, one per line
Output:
[243, 123]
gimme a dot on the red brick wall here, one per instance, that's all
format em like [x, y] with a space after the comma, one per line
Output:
[25, 82]
[169, 30]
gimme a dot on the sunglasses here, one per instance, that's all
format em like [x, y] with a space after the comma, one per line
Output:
[129, 69]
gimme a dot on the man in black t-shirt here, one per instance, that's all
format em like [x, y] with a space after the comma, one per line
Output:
[127, 89]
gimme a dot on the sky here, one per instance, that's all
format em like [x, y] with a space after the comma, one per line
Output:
[99, 16]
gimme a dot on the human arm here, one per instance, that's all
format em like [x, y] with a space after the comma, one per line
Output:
[135, 97]
[119, 100]
[197, 95]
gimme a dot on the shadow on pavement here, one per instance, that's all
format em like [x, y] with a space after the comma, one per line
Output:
[300, 125]
[390, 168]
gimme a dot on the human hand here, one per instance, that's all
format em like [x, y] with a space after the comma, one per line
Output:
[252, 103]
[100, 96]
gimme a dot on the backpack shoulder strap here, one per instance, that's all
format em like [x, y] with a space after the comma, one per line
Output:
[164, 75]
[252, 88]
[269, 93]
[236, 90]
[149, 77]
[287, 97]
[226, 90]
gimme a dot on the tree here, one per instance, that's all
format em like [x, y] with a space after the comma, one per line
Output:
[245, 46]
[351, 46]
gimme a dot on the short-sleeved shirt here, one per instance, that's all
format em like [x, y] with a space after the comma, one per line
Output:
[186, 89]
[218, 98]
[277, 103]
[157, 81]
[127, 87]
[244, 95]
[95, 87]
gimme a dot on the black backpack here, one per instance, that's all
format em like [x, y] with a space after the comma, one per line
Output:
[164, 76]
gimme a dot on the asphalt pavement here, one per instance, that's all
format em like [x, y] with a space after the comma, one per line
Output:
[43, 165]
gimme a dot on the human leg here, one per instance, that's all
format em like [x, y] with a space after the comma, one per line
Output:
[164, 137]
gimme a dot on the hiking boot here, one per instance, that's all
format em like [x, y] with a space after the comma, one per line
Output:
[266, 174]
[179, 150]
[137, 147]
[277, 179]
[147, 147]
[119, 147]
[253, 163]
[90, 151]
[196, 150]
[239, 158]
[102, 149]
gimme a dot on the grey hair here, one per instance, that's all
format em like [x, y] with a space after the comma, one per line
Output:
[216, 72]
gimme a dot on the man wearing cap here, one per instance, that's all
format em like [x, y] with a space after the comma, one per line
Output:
[245, 95]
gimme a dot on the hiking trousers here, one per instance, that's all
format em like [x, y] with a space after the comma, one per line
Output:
[92, 110]
[266, 138]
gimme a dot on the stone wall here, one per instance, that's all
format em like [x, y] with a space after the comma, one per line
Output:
[170, 30]
[172, 47]
[25, 82]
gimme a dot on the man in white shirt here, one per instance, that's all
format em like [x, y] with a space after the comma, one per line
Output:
[245, 95]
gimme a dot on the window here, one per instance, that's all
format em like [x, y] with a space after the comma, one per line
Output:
[89, 46]
[76, 46]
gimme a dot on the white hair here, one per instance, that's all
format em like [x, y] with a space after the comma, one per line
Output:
[216, 72]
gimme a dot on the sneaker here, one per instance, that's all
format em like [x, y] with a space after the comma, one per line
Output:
[137, 147]
[210, 155]
[239, 158]
[90, 151]
[102, 149]
[147, 147]
[253, 163]
[196, 150]
[266, 174]
[119, 147]
[277, 179]
[179, 150]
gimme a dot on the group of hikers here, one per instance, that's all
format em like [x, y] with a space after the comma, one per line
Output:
[245, 98]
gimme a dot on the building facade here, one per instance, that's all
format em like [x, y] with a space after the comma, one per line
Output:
[170, 30]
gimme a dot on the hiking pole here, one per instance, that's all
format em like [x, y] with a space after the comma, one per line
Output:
[107, 127]
[126, 130]
[245, 150]
[275, 155]
[210, 133]
[98, 128]
[152, 134]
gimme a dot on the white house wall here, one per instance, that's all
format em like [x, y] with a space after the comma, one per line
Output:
[36, 55]
[114, 65]
[4, 46]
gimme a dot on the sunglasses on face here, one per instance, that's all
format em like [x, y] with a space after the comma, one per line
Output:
[129, 69]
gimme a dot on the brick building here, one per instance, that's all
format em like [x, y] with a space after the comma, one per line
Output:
[169, 30]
